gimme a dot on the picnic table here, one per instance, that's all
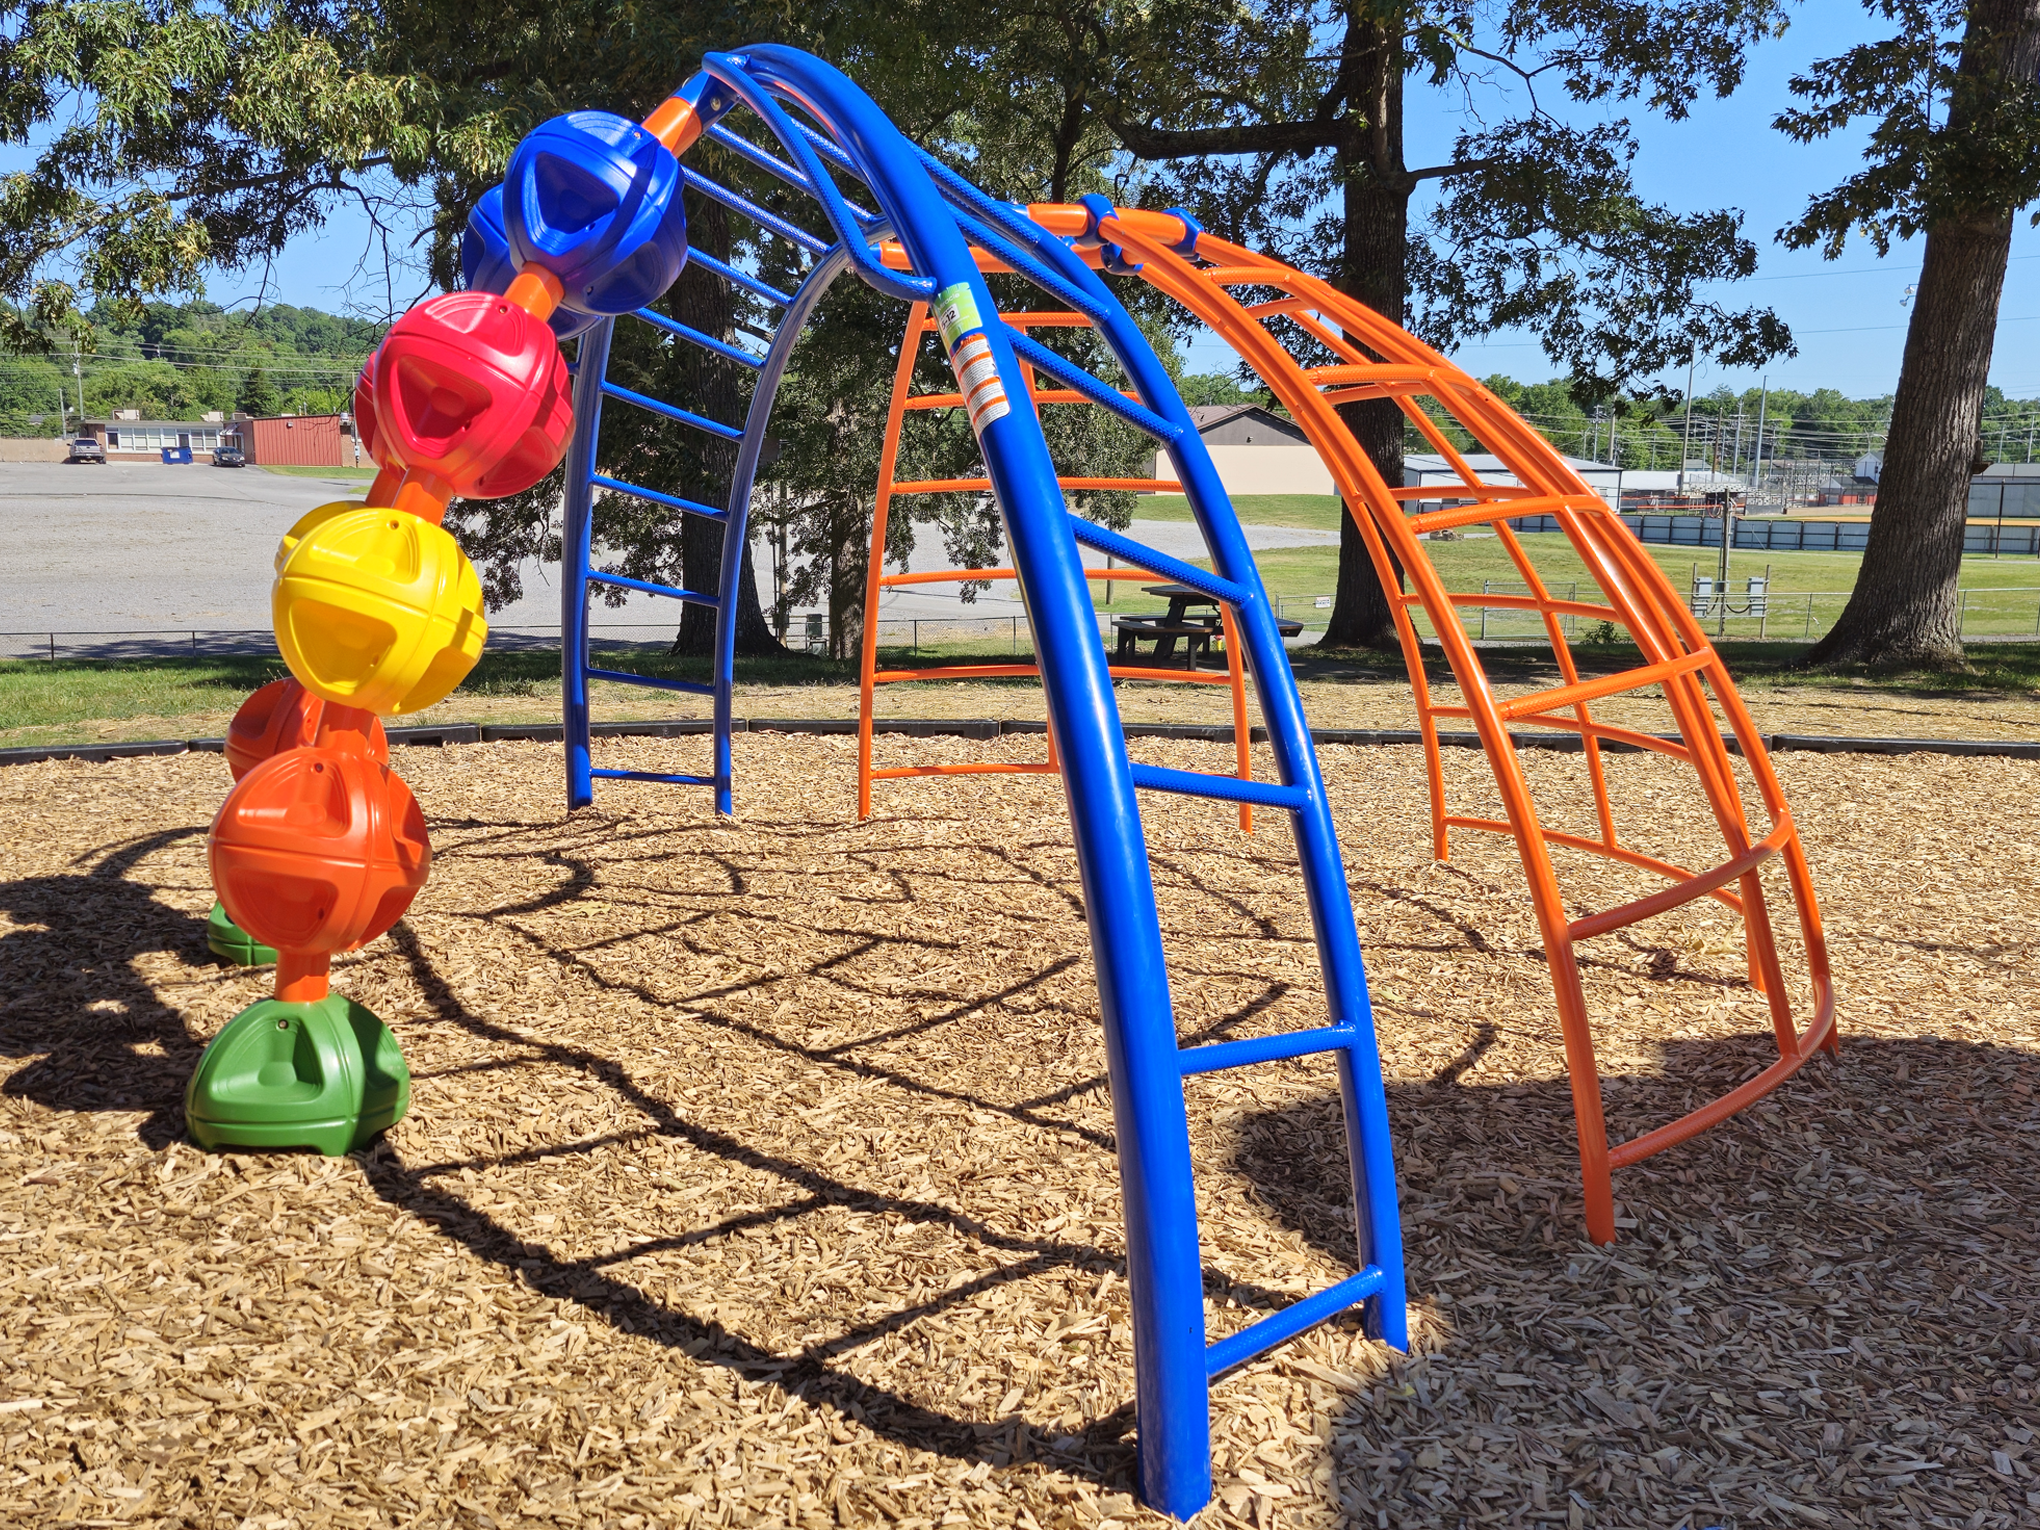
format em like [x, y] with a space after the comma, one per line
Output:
[1184, 620]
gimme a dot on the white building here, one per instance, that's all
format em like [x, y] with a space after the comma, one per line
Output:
[1420, 468]
[1256, 452]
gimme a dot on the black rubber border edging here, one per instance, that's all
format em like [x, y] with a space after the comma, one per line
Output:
[982, 728]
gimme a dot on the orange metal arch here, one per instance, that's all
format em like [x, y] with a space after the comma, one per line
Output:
[1378, 359]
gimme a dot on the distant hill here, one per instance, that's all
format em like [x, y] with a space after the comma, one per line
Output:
[183, 360]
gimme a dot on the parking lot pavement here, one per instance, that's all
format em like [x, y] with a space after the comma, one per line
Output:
[148, 558]
[139, 547]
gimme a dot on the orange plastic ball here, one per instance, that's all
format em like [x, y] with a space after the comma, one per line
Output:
[284, 715]
[317, 850]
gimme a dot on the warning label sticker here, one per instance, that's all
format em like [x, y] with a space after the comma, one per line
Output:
[956, 310]
[977, 378]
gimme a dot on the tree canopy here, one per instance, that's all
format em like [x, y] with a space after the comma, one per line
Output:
[175, 135]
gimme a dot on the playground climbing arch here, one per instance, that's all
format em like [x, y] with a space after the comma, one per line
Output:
[873, 205]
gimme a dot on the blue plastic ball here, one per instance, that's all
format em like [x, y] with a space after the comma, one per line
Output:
[486, 266]
[595, 199]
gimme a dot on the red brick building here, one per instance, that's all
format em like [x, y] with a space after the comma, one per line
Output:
[297, 440]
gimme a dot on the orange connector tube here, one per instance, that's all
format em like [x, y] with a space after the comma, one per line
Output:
[674, 124]
[302, 976]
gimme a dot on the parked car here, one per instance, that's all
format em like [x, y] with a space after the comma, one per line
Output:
[85, 449]
[229, 456]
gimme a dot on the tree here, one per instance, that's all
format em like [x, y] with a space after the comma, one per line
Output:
[1286, 120]
[258, 395]
[1954, 155]
[176, 135]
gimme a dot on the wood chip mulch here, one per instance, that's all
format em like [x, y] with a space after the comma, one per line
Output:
[762, 1173]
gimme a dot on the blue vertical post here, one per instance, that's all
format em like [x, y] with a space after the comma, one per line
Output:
[1324, 876]
[1164, 1270]
[577, 525]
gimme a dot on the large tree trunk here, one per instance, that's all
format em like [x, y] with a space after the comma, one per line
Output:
[1905, 608]
[1373, 267]
[709, 385]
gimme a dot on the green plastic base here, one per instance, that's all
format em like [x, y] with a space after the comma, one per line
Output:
[326, 1075]
[228, 941]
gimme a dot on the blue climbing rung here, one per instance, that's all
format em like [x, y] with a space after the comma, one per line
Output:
[771, 222]
[997, 245]
[1237, 1349]
[639, 491]
[625, 677]
[672, 411]
[695, 337]
[736, 278]
[1064, 370]
[624, 582]
[772, 164]
[1259, 1049]
[1126, 550]
[651, 775]
[1195, 783]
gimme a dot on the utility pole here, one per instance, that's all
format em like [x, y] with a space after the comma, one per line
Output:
[1757, 463]
[1735, 464]
[1686, 450]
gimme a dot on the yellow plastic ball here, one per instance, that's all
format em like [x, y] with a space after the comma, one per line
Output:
[376, 608]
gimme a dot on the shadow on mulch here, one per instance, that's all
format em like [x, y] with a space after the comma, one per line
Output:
[101, 1037]
[1794, 1295]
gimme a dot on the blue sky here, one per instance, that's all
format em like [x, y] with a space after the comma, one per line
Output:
[1846, 315]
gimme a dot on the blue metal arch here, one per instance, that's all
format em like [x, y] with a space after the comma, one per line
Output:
[937, 216]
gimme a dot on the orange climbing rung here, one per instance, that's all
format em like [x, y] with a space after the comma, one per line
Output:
[984, 485]
[1599, 847]
[1239, 275]
[1029, 671]
[1607, 685]
[1362, 392]
[1040, 396]
[1369, 372]
[1584, 608]
[967, 768]
[1598, 730]
[961, 575]
[1409, 491]
[1494, 510]
[1685, 892]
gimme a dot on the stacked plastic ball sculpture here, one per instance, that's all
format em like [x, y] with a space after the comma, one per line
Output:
[320, 846]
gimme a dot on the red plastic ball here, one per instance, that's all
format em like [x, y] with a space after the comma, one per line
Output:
[284, 715]
[317, 850]
[472, 389]
[367, 429]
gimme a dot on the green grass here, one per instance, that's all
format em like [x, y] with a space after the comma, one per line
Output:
[1313, 512]
[1468, 561]
[73, 700]
[359, 474]
[70, 700]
